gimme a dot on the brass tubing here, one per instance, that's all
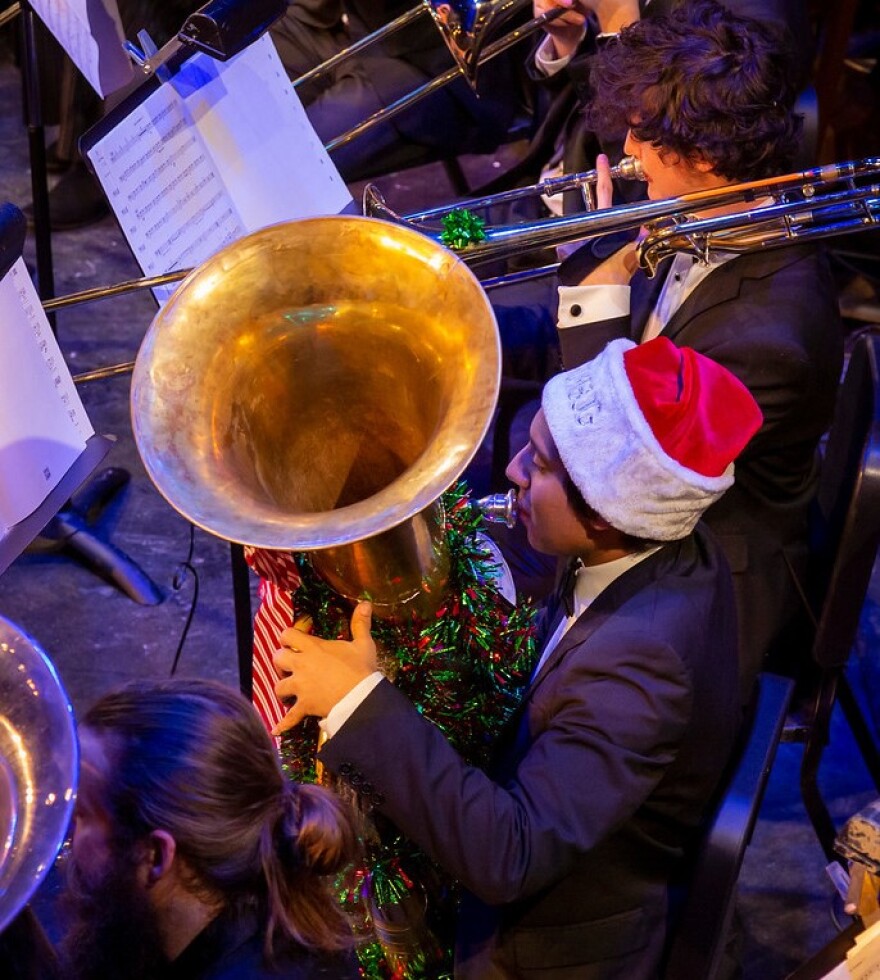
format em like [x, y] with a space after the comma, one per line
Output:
[126, 367]
[628, 169]
[106, 292]
[492, 51]
[392, 27]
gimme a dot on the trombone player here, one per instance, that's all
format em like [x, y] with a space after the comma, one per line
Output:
[565, 142]
[702, 100]
[456, 120]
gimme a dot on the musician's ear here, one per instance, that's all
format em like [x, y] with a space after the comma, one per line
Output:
[159, 854]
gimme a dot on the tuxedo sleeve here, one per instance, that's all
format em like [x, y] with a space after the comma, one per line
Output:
[592, 760]
[589, 318]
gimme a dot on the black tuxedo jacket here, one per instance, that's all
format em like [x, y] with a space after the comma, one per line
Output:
[772, 319]
[230, 947]
[570, 846]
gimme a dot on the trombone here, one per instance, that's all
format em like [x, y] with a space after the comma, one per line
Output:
[464, 27]
[819, 203]
[628, 169]
[811, 204]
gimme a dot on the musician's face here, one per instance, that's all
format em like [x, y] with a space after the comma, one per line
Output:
[666, 173]
[92, 831]
[552, 525]
[112, 926]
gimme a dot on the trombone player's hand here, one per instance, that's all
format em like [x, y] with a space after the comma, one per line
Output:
[619, 267]
[319, 673]
[567, 30]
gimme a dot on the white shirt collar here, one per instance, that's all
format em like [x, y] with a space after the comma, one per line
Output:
[594, 579]
[591, 580]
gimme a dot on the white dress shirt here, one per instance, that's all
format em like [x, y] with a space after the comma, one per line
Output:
[590, 581]
[589, 304]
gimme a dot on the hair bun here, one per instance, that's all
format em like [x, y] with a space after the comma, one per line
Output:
[318, 828]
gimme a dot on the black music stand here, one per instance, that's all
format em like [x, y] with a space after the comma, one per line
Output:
[64, 528]
[16, 539]
[37, 152]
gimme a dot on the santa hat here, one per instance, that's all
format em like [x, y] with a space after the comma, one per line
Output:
[649, 434]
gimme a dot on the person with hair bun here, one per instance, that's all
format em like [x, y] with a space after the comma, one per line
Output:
[193, 855]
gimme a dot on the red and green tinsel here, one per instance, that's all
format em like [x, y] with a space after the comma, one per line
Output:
[464, 669]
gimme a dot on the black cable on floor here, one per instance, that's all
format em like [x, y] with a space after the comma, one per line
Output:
[183, 571]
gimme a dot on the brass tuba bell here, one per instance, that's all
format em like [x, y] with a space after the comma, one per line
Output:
[316, 386]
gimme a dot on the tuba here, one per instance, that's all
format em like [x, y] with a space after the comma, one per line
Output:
[316, 386]
[39, 762]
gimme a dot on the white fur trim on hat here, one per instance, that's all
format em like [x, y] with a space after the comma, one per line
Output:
[614, 458]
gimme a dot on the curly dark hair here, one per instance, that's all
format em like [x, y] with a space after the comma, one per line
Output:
[704, 84]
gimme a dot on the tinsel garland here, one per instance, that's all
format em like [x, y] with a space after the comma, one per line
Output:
[464, 669]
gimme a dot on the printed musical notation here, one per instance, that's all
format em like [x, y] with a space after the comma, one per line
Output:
[164, 186]
[43, 425]
[219, 150]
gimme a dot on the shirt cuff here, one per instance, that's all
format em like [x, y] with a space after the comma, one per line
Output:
[589, 304]
[339, 714]
[546, 59]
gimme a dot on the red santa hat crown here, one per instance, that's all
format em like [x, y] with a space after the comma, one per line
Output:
[649, 434]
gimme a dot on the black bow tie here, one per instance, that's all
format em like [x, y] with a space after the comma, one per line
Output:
[567, 584]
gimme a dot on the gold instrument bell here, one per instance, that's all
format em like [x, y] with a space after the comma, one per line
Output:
[316, 386]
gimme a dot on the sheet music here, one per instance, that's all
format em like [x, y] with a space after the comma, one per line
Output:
[265, 148]
[164, 186]
[863, 960]
[43, 425]
[90, 31]
[222, 149]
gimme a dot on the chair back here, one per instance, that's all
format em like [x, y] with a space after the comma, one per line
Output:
[697, 941]
[848, 526]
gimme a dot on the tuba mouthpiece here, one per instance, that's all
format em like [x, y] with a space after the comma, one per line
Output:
[499, 508]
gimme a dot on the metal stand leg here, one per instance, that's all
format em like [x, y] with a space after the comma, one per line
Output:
[37, 150]
[244, 626]
[70, 532]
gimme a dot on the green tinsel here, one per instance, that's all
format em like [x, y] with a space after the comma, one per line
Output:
[464, 669]
[462, 228]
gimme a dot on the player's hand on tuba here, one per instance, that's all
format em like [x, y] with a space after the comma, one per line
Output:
[319, 673]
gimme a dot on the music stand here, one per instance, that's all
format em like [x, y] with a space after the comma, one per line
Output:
[231, 167]
[17, 538]
[37, 151]
[51, 511]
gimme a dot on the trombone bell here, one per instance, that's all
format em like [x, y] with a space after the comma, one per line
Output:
[466, 25]
[319, 384]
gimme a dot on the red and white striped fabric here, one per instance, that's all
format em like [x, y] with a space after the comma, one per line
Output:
[279, 579]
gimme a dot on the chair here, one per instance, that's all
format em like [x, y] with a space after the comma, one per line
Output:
[848, 517]
[844, 551]
[697, 941]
